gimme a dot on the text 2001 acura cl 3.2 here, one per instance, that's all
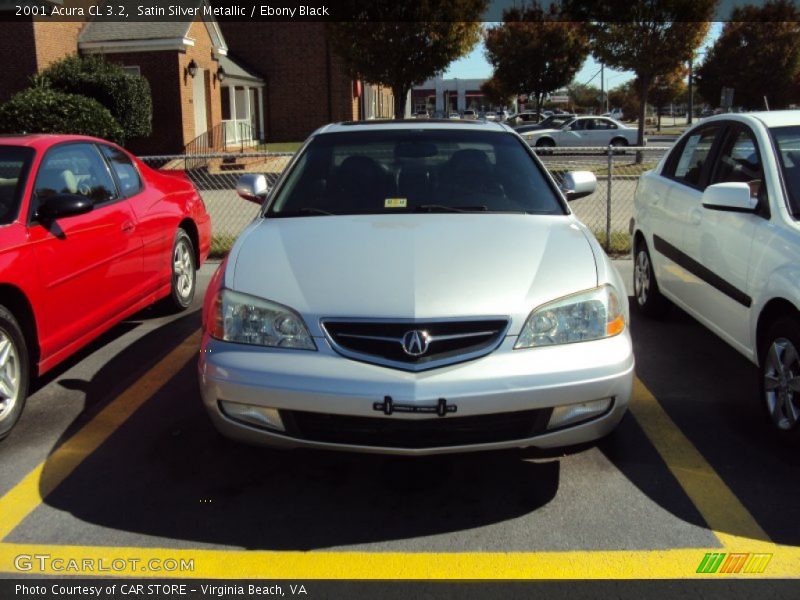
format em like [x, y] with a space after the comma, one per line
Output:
[416, 288]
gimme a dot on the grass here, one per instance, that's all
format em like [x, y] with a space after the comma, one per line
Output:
[620, 242]
[279, 147]
[221, 245]
[627, 169]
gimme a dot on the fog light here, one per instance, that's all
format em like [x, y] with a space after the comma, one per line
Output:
[260, 416]
[575, 413]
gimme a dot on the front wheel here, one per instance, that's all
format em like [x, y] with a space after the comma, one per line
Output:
[648, 297]
[14, 371]
[184, 272]
[780, 377]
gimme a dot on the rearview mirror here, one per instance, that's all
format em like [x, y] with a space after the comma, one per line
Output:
[577, 184]
[252, 187]
[733, 196]
[63, 205]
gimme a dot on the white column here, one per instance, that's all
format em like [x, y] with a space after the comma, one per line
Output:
[232, 93]
[260, 93]
[247, 110]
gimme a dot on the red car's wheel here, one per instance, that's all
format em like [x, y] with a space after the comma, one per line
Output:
[184, 272]
[14, 371]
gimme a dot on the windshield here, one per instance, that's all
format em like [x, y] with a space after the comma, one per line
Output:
[14, 164]
[427, 170]
[554, 122]
[787, 141]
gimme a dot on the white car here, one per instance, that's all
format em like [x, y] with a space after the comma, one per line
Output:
[716, 232]
[584, 131]
[416, 288]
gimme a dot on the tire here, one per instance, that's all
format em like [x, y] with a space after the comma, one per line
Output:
[14, 371]
[619, 143]
[184, 273]
[646, 295]
[545, 146]
[779, 358]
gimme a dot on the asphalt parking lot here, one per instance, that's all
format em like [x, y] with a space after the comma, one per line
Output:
[114, 458]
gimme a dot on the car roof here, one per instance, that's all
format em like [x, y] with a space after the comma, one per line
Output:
[400, 124]
[770, 118]
[43, 140]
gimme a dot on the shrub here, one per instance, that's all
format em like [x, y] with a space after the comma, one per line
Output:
[42, 110]
[127, 96]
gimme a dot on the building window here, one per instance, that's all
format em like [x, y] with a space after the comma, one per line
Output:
[132, 70]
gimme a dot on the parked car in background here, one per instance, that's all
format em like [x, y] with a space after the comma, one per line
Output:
[523, 118]
[88, 236]
[454, 115]
[551, 122]
[416, 288]
[716, 232]
[490, 115]
[584, 131]
[469, 114]
[421, 114]
[614, 113]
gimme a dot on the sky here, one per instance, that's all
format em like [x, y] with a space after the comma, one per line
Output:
[475, 66]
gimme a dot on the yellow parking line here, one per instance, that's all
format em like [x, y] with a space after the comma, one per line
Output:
[19, 502]
[726, 516]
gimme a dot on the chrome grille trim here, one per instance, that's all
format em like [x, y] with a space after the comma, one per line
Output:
[426, 364]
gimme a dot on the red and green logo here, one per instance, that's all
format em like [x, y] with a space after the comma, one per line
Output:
[720, 562]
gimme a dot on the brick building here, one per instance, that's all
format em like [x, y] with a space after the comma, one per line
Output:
[215, 85]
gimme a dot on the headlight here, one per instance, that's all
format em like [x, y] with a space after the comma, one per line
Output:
[246, 319]
[581, 317]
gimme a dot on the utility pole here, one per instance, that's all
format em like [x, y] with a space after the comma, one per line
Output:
[603, 88]
[691, 91]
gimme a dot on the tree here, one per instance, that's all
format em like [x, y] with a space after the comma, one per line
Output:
[583, 95]
[624, 97]
[656, 38]
[126, 96]
[401, 44]
[535, 51]
[43, 110]
[757, 54]
[666, 88]
[495, 93]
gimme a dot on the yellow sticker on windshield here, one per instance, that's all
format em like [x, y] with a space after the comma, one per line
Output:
[395, 203]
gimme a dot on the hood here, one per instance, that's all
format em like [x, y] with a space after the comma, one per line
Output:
[413, 266]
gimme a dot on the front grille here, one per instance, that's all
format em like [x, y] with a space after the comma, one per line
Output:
[415, 433]
[381, 342]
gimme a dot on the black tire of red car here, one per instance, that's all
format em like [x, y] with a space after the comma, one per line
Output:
[184, 272]
[779, 357]
[646, 295]
[14, 371]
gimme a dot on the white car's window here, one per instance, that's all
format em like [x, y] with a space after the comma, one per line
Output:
[739, 161]
[787, 142]
[14, 164]
[395, 171]
[604, 124]
[692, 156]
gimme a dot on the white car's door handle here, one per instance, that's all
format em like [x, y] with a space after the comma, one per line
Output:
[695, 216]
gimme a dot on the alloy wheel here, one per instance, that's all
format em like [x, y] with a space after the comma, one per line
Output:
[9, 375]
[182, 269]
[641, 277]
[782, 383]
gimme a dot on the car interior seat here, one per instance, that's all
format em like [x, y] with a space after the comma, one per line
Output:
[362, 184]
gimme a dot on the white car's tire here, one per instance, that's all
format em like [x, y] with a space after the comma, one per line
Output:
[646, 295]
[779, 358]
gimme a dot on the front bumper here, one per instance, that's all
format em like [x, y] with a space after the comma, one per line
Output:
[502, 386]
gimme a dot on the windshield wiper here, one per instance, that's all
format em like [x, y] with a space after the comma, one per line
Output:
[455, 209]
[306, 210]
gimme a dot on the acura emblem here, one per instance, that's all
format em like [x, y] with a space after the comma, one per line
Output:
[415, 342]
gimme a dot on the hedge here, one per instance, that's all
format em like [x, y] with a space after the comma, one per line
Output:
[43, 110]
[127, 96]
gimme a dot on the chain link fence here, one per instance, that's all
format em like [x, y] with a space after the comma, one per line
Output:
[607, 212]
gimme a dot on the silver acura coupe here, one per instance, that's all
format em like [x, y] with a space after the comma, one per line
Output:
[416, 288]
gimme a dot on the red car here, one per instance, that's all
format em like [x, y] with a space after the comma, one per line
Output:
[88, 236]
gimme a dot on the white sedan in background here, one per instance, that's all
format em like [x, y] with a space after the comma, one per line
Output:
[717, 231]
[584, 131]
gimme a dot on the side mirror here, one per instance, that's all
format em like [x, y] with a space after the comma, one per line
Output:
[733, 196]
[252, 187]
[577, 184]
[63, 205]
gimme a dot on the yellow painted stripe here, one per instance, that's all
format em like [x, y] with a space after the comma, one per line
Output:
[724, 513]
[19, 502]
[255, 564]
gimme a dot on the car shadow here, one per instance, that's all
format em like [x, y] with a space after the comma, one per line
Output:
[167, 473]
[711, 393]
